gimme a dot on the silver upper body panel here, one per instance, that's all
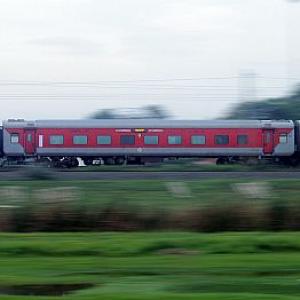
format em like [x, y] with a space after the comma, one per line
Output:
[148, 123]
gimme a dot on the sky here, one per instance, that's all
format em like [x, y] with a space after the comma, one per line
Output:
[198, 58]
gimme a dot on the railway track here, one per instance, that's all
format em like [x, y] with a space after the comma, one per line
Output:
[129, 175]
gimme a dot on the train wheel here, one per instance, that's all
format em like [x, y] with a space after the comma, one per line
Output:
[69, 162]
[44, 162]
[66, 162]
[222, 161]
[74, 162]
[3, 162]
[119, 161]
[56, 162]
[88, 161]
[109, 161]
[291, 161]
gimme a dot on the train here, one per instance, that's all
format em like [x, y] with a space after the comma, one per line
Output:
[62, 143]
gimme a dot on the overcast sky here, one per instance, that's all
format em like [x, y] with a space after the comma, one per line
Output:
[68, 58]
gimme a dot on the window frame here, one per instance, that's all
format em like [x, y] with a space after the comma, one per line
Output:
[130, 136]
[151, 136]
[175, 136]
[221, 135]
[80, 136]
[242, 136]
[56, 135]
[14, 135]
[285, 136]
[29, 138]
[198, 136]
[104, 136]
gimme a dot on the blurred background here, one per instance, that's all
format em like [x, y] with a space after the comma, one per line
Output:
[198, 59]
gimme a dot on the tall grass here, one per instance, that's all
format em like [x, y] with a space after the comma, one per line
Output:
[270, 216]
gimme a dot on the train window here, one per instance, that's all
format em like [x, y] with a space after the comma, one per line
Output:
[104, 139]
[80, 139]
[41, 140]
[198, 139]
[221, 139]
[56, 139]
[151, 139]
[242, 139]
[14, 138]
[174, 139]
[283, 139]
[127, 140]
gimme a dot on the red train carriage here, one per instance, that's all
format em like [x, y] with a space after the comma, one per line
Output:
[116, 141]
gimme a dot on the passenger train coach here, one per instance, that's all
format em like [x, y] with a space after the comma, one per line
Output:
[62, 142]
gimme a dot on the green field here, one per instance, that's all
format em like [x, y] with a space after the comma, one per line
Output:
[166, 265]
[139, 264]
[169, 194]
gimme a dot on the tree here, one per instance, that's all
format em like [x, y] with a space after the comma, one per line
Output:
[104, 114]
[278, 108]
[156, 112]
[145, 112]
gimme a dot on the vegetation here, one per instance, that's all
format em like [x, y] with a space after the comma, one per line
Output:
[205, 205]
[190, 165]
[144, 263]
[277, 108]
[145, 112]
[140, 266]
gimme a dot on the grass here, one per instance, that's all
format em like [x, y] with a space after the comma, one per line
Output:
[130, 205]
[150, 265]
[159, 265]
[152, 194]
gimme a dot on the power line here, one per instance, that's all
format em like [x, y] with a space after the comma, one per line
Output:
[111, 98]
[115, 81]
[65, 82]
[206, 87]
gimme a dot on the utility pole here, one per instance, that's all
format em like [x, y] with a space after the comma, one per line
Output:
[247, 86]
[291, 60]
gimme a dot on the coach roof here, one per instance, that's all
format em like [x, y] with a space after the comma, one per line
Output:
[148, 123]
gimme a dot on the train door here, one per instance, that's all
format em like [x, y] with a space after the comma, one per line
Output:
[268, 141]
[139, 139]
[29, 141]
